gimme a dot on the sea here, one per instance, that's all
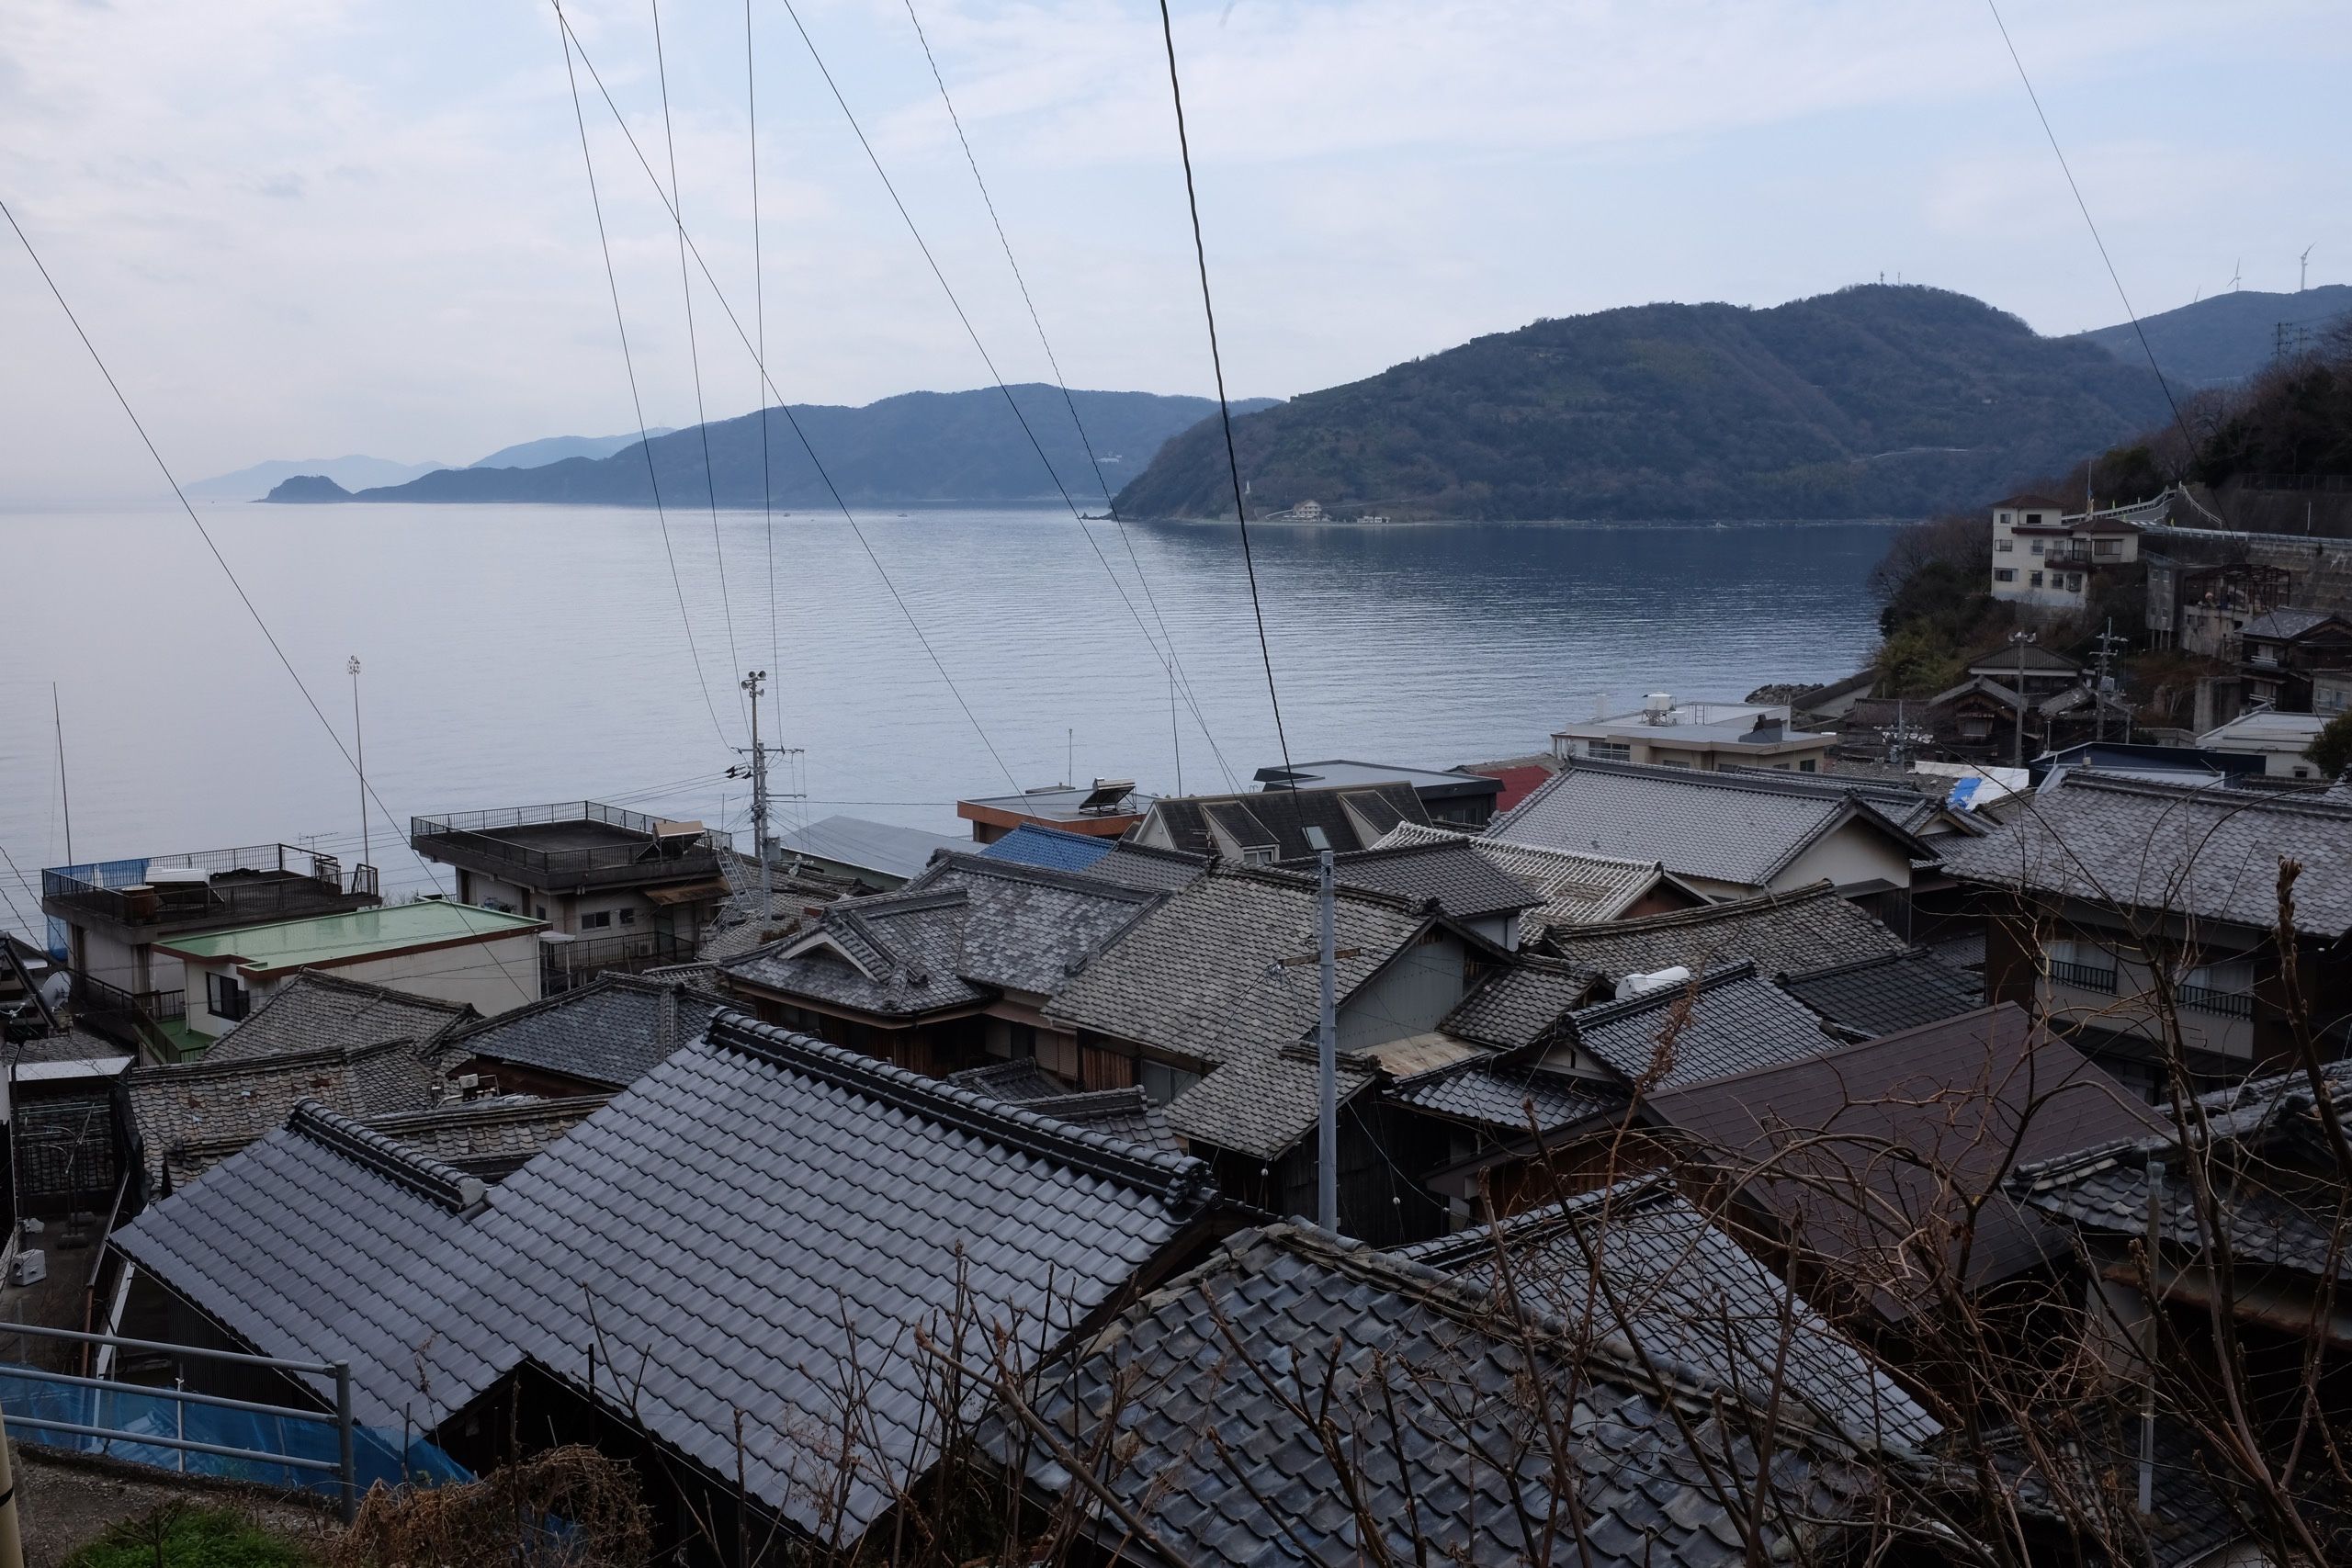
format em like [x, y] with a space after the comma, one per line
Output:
[514, 655]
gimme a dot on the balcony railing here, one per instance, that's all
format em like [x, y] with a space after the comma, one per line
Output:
[242, 886]
[564, 965]
[643, 851]
[2083, 977]
[2228, 1004]
[127, 1017]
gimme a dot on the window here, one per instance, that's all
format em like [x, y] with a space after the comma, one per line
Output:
[2001, 517]
[1609, 750]
[1023, 1040]
[597, 921]
[2033, 519]
[225, 995]
[2039, 546]
[2107, 547]
[1808, 766]
[2034, 582]
[1163, 1083]
[2005, 574]
[2074, 583]
[2002, 546]
[629, 916]
[1673, 761]
[543, 912]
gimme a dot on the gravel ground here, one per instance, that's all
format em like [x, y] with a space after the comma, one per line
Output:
[66, 1501]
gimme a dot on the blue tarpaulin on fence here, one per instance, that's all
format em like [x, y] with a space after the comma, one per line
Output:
[137, 1411]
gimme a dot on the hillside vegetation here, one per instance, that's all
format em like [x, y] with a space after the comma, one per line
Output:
[2225, 339]
[1872, 402]
[922, 446]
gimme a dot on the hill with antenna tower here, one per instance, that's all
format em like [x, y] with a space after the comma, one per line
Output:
[1876, 401]
[2228, 337]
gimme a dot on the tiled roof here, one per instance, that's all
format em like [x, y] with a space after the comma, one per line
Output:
[884, 848]
[1679, 1288]
[1743, 828]
[2208, 852]
[489, 1138]
[2287, 624]
[739, 923]
[1499, 1097]
[1572, 888]
[1450, 871]
[1124, 1113]
[2003, 658]
[1030, 844]
[1805, 927]
[191, 1114]
[1352, 817]
[1523, 1003]
[751, 1226]
[2272, 1216]
[1147, 869]
[324, 1241]
[610, 1032]
[964, 931]
[1203, 976]
[1871, 997]
[319, 1011]
[1734, 1023]
[1015, 1082]
[2191, 1520]
[1863, 1155]
[1214, 1385]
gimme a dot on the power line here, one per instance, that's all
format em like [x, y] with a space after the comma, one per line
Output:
[572, 42]
[1224, 408]
[1171, 661]
[693, 348]
[760, 358]
[628, 362]
[205, 534]
[2113, 275]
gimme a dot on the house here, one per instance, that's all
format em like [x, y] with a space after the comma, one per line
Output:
[1127, 1114]
[2282, 648]
[2028, 667]
[874, 856]
[1462, 798]
[112, 913]
[764, 1226]
[1449, 875]
[1518, 775]
[2278, 738]
[593, 1040]
[1210, 1001]
[2113, 894]
[1803, 929]
[2049, 560]
[1730, 834]
[1301, 1399]
[319, 1009]
[1691, 734]
[1859, 1167]
[482, 958]
[949, 972]
[1105, 809]
[1269, 827]
[617, 888]
[1575, 889]
[2203, 609]
[1986, 719]
[2331, 691]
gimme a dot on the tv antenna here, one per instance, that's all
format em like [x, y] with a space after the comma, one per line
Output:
[2303, 276]
[2237, 271]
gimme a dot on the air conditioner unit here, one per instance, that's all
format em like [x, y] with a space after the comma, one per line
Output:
[31, 1266]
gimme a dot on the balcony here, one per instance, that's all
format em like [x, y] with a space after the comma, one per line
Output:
[2083, 977]
[2224, 1004]
[208, 889]
[135, 1019]
[564, 965]
[570, 845]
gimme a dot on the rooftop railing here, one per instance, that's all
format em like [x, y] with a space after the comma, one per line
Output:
[482, 840]
[241, 886]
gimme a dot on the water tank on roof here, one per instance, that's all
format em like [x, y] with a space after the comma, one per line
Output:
[1634, 985]
[1656, 705]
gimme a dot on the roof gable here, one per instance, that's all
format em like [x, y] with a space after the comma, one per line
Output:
[1804, 928]
[610, 1032]
[1351, 817]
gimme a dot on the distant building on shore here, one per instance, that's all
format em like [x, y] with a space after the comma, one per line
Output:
[2043, 558]
[1669, 733]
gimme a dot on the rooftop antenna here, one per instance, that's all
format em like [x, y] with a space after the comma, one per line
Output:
[2303, 276]
[57, 717]
[1326, 1095]
[359, 741]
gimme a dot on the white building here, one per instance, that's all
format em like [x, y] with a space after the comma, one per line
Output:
[1693, 734]
[2045, 558]
[2278, 738]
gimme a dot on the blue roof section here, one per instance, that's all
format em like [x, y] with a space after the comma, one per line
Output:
[1048, 847]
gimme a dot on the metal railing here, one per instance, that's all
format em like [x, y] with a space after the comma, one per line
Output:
[2083, 977]
[472, 837]
[250, 884]
[134, 1019]
[344, 1467]
[2228, 1004]
[564, 965]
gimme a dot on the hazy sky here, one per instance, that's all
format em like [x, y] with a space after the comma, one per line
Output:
[302, 230]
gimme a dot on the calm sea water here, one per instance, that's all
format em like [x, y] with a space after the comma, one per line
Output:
[526, 654]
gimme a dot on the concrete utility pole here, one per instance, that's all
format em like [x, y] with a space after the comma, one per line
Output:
[750, 684]
[2019, 641]
[2106, 641]
[359, 741]
[1326, 1039]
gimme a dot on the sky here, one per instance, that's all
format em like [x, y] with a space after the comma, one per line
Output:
[301, 230]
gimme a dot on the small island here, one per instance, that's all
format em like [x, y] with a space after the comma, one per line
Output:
[308, 488]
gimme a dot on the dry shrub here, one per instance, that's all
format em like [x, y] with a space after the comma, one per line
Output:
[568, 1507]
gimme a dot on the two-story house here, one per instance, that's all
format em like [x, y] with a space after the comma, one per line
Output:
[2048, 559]
[2282, 649]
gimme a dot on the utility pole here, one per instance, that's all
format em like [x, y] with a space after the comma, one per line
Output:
[359, 740]
[57, 716]
[1326, 1039]
[2019, 641]
[2106, 641]
[759, 771]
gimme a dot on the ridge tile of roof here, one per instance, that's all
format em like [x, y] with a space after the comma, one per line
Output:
[1466, 884]
[1802, 928]
[1574, 888]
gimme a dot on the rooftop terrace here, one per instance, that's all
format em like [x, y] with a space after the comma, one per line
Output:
[572, 843]
[206, 888]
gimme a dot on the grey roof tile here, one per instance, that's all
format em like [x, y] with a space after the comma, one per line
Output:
[1500, 1096]
[1804, 928]
[1124, 1113]
[1731, 1021]
[2205, 851]
[1737, 828]
[1574, 888]
[748, 1227]
[1202, 1383]
[191, 1114]
[1871, 997]
[1679, 1287]
[609, 1033]
[1448, 872]
[1521, 1002]
[317, 1011]
[487, 1138]
[1150, 870]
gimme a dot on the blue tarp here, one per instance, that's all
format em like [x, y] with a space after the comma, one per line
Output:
[137, 1411]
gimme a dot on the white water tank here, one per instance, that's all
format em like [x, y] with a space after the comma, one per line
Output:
[1657, 980]
[1656, 705]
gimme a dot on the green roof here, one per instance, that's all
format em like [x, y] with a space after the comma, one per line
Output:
[329, 940]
